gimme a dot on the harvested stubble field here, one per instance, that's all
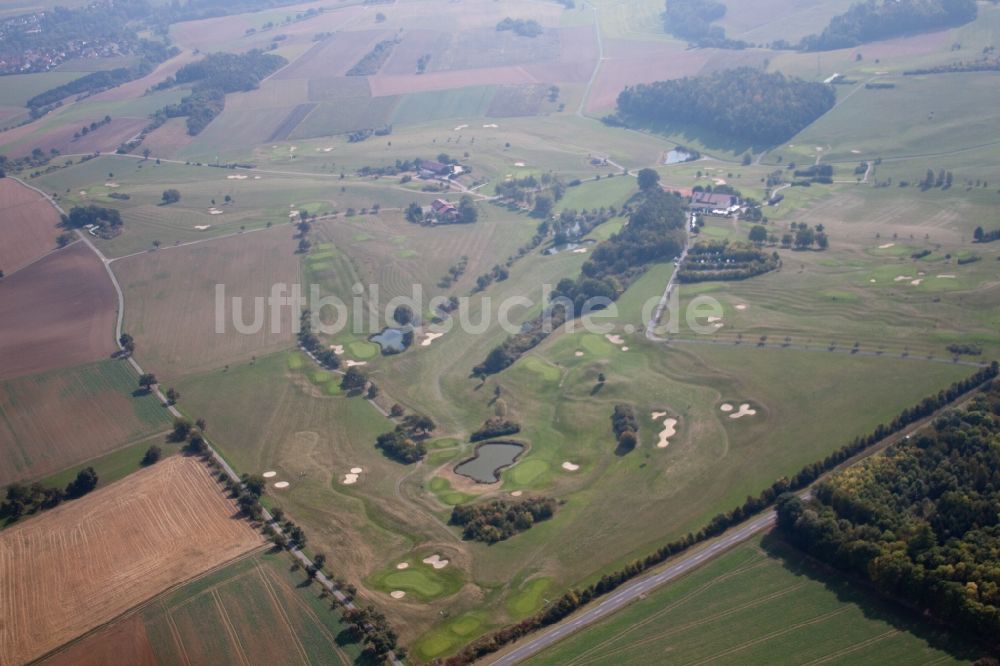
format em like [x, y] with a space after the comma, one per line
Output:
[111, 550]
[56, 313]
[170, 298]
[65, 417]
[28, 226]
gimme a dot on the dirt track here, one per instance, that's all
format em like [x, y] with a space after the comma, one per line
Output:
[85, 562]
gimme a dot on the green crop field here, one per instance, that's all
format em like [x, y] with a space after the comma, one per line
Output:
[761, 602]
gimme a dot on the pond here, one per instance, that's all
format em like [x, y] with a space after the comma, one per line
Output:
[393, 340]
[568, 247]
[677, 156]
[491, 458]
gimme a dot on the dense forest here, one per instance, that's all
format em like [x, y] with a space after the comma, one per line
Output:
[919, 522]
[498, 520]
[744, 104]
[372, 61]
[213, 77]
[655, 232]
[692, 20]
[873, 20]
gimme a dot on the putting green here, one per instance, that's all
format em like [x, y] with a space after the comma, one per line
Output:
[296, 361]
[526, 600]
[321, 377]
[364, 350]
[527, 471]
[414, 581]
[597, 345]
[540, 368]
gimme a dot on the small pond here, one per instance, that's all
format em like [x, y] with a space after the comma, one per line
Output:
[568, 247]
[677, 156]
[392, 340]
[491, 458]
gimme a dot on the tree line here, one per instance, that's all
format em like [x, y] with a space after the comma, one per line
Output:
[873, 20]
[24, 500]
[653, 233]
[212, 78]
[575, 599]
[521, 27]
[625, 426]
[720, 260]
[919, 523]
[495, 427]
[980, 235]
[498, 520]
[405, 444]
[744, 103]
[310, 343]
[692, 20]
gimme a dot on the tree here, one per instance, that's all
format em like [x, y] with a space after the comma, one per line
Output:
[648, 179]
[201, 425]
[173, 395]
[414, 213]
[152, 456]
[396, 411]
[747, 159]
[171, 196]
[467, 211]
[822, 241]
[978, 234]
[85, 481]
[354, 380]
[543, 206]
[304, 245]
[127, 343]
[64, 239]
[403, 315]
[147, 381]
[758, 234]
[182, 429]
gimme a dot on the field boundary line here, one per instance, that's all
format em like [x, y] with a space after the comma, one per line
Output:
[774, 634]
[853, 648]
[230, 629]
[175, 633]
[281, 613]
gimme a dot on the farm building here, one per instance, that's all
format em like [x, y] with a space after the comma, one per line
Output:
[443, 211]
[709, 201]
[428, 169]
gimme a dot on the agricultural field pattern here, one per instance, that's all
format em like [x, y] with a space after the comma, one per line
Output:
[550, 332]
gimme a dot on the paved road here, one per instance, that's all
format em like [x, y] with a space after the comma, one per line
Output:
[636, 589]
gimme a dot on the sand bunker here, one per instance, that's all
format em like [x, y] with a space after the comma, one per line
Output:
[902, 278]
[669, 430]
[520, 164]
[491, 126]
[578, 354]
[742, 306]
[337, 349]
[570, 467]
[429, 338]
[355, 364]
[403, 565]
[257, 177]
[712, 320]
[460, 128]
[580, 250]
[916, 283]
[293, 214]
[726, 407]
[350, 479]
[656, 416]
[873, 280]
[624, 348]
[202, 227]
[886, 246]
[356, 470]
[111, 185]
[720, 181]
[281, 484]
[946, 277]
[517, 493]
[269, 475]
[397, 594]
[615, 339]
[436, 561]
[744, 411]
[237, 177]
[855, 152]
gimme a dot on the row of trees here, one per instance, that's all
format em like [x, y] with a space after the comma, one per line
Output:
[746, 104]
[980, 235]
[720, 260]
[575, 599]
[499, 520]
[309, 342]
[25, 500]
[521, 27]
[495, 427]
[920, 523]
[372, 61]
[873, 20]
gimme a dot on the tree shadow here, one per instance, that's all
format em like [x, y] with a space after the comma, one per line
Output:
[850, 590]
[597, 388]
[346, 637]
